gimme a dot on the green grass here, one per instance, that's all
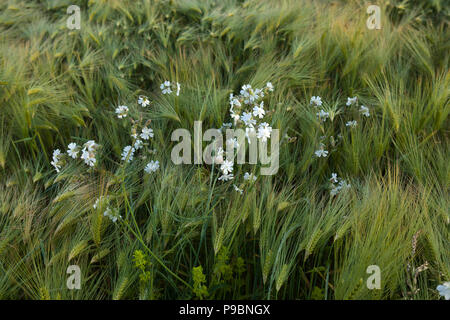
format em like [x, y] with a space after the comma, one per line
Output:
[284, 237]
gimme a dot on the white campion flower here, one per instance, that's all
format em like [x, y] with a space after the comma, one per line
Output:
[233, 143]
[234, 101]
[238, 189]
[73, 150]
[316, 100]
[138, 144]
[351, 124]
[128, 153]
[226, 167]
[351, 101]
[321, 152]
[112, 215]
[226, 177]
[147, 133]
[165, 87]
[96, 204]
[218, 155]
[334, 178]
[249, 132]
[264, 131]
[269, 86]
[444, 290]
[88, 157]
[249, 176]
[365, 111]
[178, 89]
[152, 166]
[235, 116]
[88, 153]
[322, 115]
[258, 111]
[122, 111]
[248, 119]
[143, 101]
[56, 161]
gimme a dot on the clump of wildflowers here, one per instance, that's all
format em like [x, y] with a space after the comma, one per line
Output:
[152, 166]
[168, 87]
[57, 161]
[122, 111]
[338, 185]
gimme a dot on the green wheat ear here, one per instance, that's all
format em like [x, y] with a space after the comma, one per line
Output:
[267, 265]
[310, 246]
[120, 288]
[282, 277]
[218, 240]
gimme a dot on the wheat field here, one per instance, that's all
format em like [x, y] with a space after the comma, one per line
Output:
[87, 177]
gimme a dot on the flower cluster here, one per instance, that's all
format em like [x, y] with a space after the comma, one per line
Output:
[57, 161]
[246, 110]
[88, 154]
[323, 115]
[112, 214]
[168, 87]
[338, 185]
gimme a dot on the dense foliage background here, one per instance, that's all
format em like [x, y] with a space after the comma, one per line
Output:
[284, 237]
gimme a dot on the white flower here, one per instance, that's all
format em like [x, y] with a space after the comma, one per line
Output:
[237, 189]
[334, 178]
[232, 143]
[264, 131]
[322, 115]
[143, 101]
[97, 202]
[56, 161]
[128, 153]
[227, 166]
[138, 144]
[122, 111]
[147, 133]
[88, 157]
[234, 102]
[444, 290]
[351, 124]
[321, 152]
[258, 111]
[152, 166]
[165, 87]
[112, 215]
[235, 117]
[178, 89]
[351, 101]
[269, 86]
[250, 95]
[89, 152]
[226, 177]
[73, 150]
[218, 157]
[317, 101]
[247, 119]
[249, 132]
[365, 111]
[249, 176]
